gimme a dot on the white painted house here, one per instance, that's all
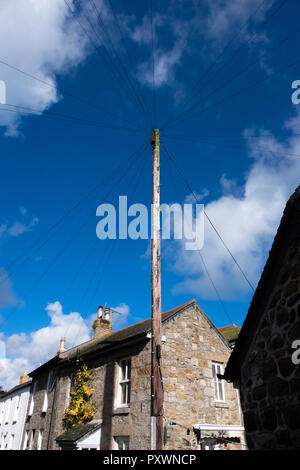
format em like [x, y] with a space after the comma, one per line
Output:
[13, 408]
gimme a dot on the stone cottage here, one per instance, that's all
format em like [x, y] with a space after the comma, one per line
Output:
[265, 363]
[13, 408]
[200, 410]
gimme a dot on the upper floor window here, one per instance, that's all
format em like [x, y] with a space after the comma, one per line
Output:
[2, 409]
[121, 443]
[7, 413]
[26, 440]
[31, 407]
[124, 382]
[11, 441]
[17, 408]
[218, 383]
[45, 403]
[40, 439]
[71, 385]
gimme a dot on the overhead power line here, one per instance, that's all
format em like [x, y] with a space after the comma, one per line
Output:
[67, 244]
[210, 276]
[29, 111]
[240, 73]
[126, 74]
[208, 218]
[62, 90]
[153, 60]
[219, 144]
[107, 256]
[240, 92]
[67, 214]
[211, 66]
[99, 53]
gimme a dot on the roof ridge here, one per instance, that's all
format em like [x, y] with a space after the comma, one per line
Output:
[226, 326]
[129, 326]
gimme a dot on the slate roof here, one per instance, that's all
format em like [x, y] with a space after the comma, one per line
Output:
[288, 233]
[137, 331]
[121, 336]
[78, 432]
[115, 339]
[14, 389]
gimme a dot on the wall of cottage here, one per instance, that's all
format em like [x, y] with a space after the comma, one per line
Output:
[270, 382]
[38, 420]
[133, 422]
[191, 346]
[192, 343]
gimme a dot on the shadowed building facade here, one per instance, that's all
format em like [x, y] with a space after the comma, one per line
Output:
[262, 363]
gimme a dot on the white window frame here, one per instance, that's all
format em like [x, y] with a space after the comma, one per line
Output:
[71, 384]
[26, 439]
[40, 439]
[11, 441]
[45, 403]
[88, 447]
[2, 441]
[31, 407]
[2, 411]
[17, 408]
[7, 411]
[121, 442]
[31, 438]
[126, 381]
[217, 368]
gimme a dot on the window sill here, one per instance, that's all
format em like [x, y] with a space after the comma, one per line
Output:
[125, 410]
[221, 404]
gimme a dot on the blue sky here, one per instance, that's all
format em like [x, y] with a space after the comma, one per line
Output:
[238, 150]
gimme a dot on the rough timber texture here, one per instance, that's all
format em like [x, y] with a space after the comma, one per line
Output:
[192, 343]
[262, 360]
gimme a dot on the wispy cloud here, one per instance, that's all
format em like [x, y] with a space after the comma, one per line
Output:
[18, 225]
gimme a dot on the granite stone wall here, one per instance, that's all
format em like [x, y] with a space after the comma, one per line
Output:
[270, 382]
[192, 343]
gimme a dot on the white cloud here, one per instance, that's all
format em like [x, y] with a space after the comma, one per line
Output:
[120, 319]
[24, 352]
[247, 222]
[37, 37]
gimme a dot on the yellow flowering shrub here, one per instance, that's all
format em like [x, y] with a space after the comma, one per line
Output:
[80, 409]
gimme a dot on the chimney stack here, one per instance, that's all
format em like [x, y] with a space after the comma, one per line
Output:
[62, 346]
[102, 325]
[23, 378]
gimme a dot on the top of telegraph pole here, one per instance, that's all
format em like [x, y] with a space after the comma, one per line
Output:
[155, 138]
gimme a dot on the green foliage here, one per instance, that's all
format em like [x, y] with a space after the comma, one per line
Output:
[80, 409]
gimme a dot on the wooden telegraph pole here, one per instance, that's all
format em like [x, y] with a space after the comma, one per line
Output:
[156, 385]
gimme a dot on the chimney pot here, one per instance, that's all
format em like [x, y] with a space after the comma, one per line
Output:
[100, 311]
[106, 313]
[62, 345]
[23, 378]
